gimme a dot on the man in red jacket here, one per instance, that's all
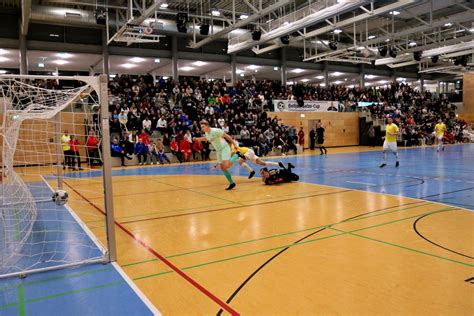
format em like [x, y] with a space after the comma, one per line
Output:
[92, 145]
[74, 143]
[144, 137]
[174, 147]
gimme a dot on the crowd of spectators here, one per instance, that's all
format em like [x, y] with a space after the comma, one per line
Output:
[148, 116]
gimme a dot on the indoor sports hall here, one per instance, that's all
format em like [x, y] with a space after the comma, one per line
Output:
[257, 157]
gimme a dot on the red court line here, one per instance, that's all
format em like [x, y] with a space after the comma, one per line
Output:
[163, 259]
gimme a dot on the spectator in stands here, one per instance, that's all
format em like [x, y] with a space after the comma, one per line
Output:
[117, 151]
[161, 154]
[197, 149]
[174, 147]
[301, 138]
[185, 148]
[123, 119]
[144, 137]
[162, 125]
[141, 151]
[74, 147]
[152, 152]
[92, 144]
[65, 138]
[312, 139]
[146, 124]
[371, 135]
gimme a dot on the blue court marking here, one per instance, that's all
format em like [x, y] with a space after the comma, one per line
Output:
[93, 289]
[446, 177]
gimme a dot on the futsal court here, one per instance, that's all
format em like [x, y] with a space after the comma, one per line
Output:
[349, 237]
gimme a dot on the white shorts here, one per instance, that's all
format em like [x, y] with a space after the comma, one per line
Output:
[390, 145]
[250, 155]
[440, 137]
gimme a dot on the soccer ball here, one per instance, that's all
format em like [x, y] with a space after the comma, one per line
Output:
[60, 197]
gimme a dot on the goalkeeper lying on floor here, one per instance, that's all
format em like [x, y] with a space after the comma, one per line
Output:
[282, 175]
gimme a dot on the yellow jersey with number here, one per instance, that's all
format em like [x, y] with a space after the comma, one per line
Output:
[440, 128]
[391, 129]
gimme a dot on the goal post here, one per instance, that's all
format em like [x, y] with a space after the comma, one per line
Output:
[54, 133]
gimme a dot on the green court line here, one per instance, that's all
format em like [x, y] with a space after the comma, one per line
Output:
[403, 247]
[62, 277]
[311, 241]
[48, 297]
[274, 236]
[21, 300]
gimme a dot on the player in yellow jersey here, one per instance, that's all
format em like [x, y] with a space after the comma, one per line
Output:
[241, 154]
[391, 131]
[439, 130]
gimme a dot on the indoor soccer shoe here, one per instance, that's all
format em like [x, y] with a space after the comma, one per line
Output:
[231, 186]
[382, 165]
[397, 164]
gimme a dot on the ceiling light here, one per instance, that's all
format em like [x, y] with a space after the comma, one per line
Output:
[54, 73]
[369, 76]
[165, 78]
[336, 74]
[286, 23]
[289, 83]
[275, 68]
[3, 59]
[297, 70]
[199, 63]
[345, 79]
[256, 70]
[412, 43]
[137, 59]
[337, 31]
[383, 81]
[371, 37]
[186, 68]
[60, 62]
[64, 55]
[252, 67]
[157, 61]
[387, 40]
[337, 82]
[2, 51]
[448, 24]
[394, 12]
[242, 74]
[322, 84]
[215, 13]
[3, 72]
[244, 16]
[319, 77]
[40, 65]
[53, 35]
[112, 76]
[127, 65]
[304, 80]
[400, 79]
[471, 30]
[268, 21]
[164, 5]
[238, 71]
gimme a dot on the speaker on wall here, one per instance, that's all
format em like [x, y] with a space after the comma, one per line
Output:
[256, 35]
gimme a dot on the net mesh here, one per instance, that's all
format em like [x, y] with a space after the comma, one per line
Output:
[46, 128]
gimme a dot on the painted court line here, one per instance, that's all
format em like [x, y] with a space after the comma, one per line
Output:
[364, 183]
[338, 233]
[164, 260]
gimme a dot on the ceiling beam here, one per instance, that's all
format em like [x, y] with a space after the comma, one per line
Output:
[361, 17]
[241, 23]
[25, 16]
[299, 24]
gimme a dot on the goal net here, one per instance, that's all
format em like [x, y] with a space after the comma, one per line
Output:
[52, 143]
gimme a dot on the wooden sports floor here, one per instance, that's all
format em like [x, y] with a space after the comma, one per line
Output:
[349, 238]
